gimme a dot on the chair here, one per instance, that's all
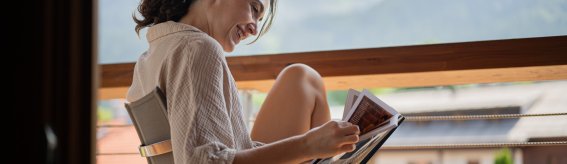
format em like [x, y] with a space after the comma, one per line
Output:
[149, 115]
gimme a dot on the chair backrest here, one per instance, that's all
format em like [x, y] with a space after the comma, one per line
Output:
[149, 115]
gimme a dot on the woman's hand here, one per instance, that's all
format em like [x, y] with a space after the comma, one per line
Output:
[331, 138]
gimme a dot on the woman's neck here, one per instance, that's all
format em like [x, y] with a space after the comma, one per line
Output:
[197, 17]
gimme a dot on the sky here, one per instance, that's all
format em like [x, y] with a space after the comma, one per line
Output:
[317, 25]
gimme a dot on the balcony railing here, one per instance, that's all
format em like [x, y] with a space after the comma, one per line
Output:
[528, 59]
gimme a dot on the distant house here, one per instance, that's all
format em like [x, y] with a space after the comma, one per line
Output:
[544, 97]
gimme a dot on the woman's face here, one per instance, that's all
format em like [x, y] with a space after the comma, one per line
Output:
[231, 21]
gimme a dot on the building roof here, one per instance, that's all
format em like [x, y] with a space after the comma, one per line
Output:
[541, 97]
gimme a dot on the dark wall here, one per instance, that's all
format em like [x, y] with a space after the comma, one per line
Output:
[51, 61]
[545, 155]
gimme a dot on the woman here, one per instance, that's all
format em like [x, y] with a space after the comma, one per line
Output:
[185, 59]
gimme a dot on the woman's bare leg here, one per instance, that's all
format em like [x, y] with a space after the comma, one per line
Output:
[296, 103]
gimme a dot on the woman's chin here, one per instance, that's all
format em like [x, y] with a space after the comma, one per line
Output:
[228, 47]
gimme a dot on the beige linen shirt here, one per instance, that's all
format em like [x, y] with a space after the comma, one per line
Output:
[202, 98]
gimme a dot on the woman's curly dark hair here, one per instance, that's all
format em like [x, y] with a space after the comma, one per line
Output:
[158, 11]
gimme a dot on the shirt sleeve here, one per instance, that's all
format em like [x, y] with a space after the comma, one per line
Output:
[200, 125]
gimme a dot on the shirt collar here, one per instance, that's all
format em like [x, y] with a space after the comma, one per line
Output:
[166, 28]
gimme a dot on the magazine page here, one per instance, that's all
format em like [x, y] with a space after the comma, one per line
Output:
[352, 95]
[371, 115]
[376, 121]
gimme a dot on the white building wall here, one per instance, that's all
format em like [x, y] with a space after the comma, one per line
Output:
[447, 156]
[404, 156]
[483, 156]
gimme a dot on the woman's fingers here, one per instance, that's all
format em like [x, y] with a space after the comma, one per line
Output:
[343, 124]
[350, 139]
[348, 148]
[349, 130]
[332, 138]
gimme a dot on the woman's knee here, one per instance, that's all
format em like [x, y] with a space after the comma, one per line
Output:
[311, 83]
[301, 72]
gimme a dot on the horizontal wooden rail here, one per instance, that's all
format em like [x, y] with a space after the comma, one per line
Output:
[526, 59]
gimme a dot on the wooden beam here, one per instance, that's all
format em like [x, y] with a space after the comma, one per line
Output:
[117, 75]
[407, 66]
[410, 59]
[422, 79]
[112, 93]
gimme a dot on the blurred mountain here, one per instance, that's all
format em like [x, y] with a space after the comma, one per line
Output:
[343, 24]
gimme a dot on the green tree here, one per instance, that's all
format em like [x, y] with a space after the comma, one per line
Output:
[504, 156]
[104, 113]
[336, 98]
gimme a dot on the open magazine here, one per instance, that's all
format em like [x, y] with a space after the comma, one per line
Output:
[376, 121]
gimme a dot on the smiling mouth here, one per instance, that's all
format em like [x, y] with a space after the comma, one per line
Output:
[239, 33]
[237, 36]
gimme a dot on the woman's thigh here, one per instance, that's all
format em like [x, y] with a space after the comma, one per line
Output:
[296, 103]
